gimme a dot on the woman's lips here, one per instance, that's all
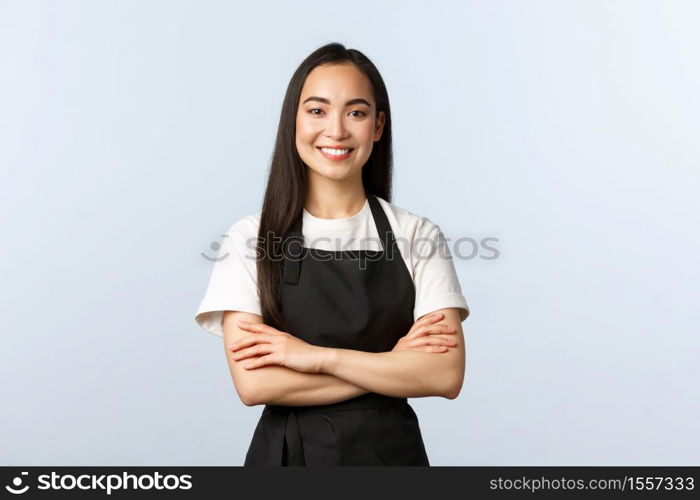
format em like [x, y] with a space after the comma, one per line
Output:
[335, 157]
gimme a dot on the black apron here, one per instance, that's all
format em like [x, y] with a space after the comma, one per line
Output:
[350, 299]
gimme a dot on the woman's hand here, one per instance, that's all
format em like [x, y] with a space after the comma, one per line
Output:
[426, 336]
[274, 347]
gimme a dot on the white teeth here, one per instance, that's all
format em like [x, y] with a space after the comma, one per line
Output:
[335, 152]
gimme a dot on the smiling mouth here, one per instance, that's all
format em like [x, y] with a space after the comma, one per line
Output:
[335, 156]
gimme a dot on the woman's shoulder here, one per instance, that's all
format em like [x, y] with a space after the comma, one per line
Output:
[246, 226]
[408, 223]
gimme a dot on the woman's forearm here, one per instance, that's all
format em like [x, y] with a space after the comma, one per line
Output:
[278, 385]
[411, 374]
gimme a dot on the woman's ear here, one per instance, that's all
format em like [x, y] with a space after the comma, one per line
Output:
[379, 127]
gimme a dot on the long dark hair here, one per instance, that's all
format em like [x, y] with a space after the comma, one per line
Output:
[286, 189]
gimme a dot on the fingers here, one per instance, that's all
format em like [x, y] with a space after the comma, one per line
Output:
[433, 340]
[429, 319]
[258, 362]
[248, 340]
[425, 320]
[256, 350]
[434, 348]
[257, 327]
[431, 330]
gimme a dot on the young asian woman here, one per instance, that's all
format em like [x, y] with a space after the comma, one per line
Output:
[331, 341]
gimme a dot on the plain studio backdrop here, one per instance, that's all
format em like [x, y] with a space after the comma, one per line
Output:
[134, 133]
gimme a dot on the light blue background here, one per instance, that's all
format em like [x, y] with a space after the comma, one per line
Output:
[133, 134]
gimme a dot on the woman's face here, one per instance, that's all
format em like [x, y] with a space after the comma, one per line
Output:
[337, 109]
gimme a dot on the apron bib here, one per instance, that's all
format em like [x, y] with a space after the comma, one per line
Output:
[349, 299]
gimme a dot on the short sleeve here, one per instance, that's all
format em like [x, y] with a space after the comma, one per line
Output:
[434, 275]
[233, 281]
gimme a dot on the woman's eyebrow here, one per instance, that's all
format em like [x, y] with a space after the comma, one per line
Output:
[357, 100]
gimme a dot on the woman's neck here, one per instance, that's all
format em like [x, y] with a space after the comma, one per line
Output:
[329, 199]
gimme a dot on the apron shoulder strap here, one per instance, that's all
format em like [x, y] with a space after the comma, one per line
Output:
[386, 235]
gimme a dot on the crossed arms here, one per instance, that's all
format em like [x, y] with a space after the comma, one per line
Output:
[348, 373]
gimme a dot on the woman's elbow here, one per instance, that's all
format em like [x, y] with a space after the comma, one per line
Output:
[452, 392]
[248, 400]
[453, 385]
[248, 394]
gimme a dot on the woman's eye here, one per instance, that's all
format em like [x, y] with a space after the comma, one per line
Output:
[362, 113]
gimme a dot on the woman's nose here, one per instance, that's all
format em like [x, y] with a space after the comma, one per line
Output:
[336, 126]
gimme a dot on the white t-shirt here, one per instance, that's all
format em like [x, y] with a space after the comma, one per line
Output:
[233, 282]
